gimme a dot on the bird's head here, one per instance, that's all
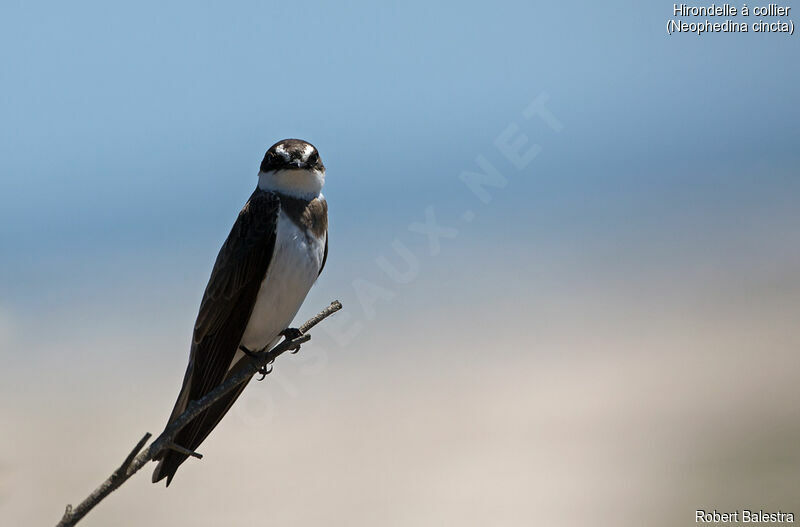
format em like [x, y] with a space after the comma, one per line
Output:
[292, 167]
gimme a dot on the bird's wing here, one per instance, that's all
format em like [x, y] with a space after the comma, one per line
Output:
[225, 310]
[231, 291]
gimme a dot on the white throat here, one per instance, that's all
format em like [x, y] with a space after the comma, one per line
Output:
[297, 182]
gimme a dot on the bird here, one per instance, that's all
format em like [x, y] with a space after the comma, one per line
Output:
[274, 253]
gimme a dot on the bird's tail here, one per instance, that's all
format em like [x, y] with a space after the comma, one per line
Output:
[191, 435]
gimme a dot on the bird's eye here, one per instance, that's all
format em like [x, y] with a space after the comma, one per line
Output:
[313, 158]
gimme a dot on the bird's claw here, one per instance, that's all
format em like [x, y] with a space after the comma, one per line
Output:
[263, 370]
[288, 334]
[291, 333]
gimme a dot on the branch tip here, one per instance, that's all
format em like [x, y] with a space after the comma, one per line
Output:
[139, 446]
[183, 450]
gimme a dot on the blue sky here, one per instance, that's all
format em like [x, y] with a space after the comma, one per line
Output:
[132, 135]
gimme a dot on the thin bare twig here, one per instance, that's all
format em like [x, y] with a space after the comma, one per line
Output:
[138, 458]
[183, 450]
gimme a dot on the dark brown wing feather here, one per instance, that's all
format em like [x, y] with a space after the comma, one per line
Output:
[224, 312]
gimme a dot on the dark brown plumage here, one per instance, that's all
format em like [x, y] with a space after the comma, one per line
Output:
[224, 312]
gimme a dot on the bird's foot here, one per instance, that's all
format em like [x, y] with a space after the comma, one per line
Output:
[263, 370]
[291, 334]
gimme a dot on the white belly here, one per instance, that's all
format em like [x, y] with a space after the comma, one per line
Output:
[292, 271]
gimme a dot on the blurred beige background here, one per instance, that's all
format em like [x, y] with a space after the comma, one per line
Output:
[606, 391]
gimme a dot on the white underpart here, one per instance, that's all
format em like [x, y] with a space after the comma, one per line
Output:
[292, 271]
[297, 182]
